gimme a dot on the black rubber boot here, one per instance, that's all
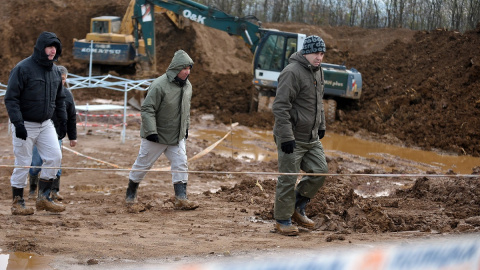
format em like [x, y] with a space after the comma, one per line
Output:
[44, 202]
[55, 189]
[131, 196]
[18, 205]
[181, 200]
[180, 190]
[301, 202]
[299, 215]
[33, 179]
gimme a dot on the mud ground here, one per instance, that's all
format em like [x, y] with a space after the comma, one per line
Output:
[235, 214]
[420, 90]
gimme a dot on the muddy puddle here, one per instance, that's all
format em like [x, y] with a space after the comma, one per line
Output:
[23, 261]
[257, 145]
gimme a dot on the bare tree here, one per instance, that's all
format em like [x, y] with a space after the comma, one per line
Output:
[299, 11]
[473, 17]
[285, 11]
[461, 15]
[457, 14]
[238, 4]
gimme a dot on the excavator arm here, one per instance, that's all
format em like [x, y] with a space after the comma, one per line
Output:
[209, 16]
[271, 48]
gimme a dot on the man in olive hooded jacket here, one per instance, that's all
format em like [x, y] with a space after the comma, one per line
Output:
[165, 122]
[35, 95]
[299, 124]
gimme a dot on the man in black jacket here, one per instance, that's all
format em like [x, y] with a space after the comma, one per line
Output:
[37, 160]
[34, 94]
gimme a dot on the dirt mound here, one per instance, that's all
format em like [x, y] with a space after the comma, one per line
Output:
[423, 92]
[344, 40]
[337, 207]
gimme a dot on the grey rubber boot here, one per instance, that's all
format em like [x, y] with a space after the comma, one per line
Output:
[56, 189]
[181, 200]
[299, 215]
[44, 202]
[131, 196]
[33, 179]
[18, 205]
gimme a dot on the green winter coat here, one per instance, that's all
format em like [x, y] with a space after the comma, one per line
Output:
[166, 108]
[298, 105]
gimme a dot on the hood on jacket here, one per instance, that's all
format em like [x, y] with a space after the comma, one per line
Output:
[298, 57]
[44, 40]
[180, 61]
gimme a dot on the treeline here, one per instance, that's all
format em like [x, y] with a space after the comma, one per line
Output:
[459, 15]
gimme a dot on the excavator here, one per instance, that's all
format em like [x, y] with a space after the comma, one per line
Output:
[131, 41]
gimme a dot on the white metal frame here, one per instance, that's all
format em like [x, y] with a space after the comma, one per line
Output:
[109, 82]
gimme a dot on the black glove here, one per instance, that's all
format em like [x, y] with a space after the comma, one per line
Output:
[186, 134]
[20, 131]
[321, 134]
[287, 147]
[62, 130]
[153, 138]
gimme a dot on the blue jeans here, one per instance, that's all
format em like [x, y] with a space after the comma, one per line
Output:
[37, 161]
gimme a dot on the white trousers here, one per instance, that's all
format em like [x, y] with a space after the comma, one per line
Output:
[44, 136]
[150, 152]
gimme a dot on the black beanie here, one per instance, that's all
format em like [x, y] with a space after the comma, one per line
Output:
[313, 44]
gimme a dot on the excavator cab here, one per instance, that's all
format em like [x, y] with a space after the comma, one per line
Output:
[107, 29]
[105, 44]
[271, 56]
[105, 24]
[276, 50]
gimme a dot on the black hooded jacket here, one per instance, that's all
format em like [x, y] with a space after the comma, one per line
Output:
[71, 117]
[34, 90]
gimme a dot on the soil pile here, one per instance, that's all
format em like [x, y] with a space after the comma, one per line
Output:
[424, 92]
[338, 207]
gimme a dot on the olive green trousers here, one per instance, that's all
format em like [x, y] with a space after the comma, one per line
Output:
[308, 157]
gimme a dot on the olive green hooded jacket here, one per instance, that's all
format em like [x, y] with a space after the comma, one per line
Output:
[166, 108]
[298, 105]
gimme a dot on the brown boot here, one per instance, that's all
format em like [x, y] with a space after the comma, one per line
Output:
[299, 215]
[185, 204]
[181, 200]
[303, 220]
[289, 230]
[56, 196]
[44, 202]
[18, 205]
